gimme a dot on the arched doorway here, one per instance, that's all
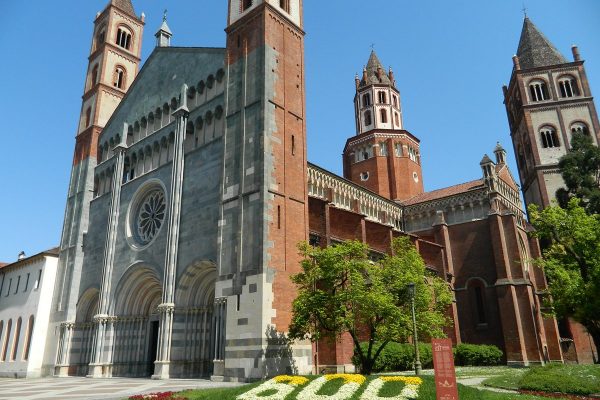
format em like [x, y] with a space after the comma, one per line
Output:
[138, 295]
[194, 300]
[80, 341]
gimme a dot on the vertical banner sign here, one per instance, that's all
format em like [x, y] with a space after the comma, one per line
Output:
[443, 365]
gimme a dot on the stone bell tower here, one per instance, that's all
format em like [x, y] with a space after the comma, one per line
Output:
[113, 65]
[264, 202]
[547, 100]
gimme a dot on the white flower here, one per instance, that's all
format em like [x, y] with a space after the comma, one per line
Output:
[282, 389]
[344, 392]
[372, 391]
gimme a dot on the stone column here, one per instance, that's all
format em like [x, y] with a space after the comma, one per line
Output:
[62, 363]
[218, 342]
[97, 366]
[163, 359]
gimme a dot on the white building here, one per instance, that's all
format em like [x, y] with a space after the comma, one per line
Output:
[26, 288]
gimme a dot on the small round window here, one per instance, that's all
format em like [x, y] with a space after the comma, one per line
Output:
[149, 216]
[364, 176]
[415, 177]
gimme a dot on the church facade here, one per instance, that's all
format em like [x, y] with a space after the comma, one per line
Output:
[190, 191]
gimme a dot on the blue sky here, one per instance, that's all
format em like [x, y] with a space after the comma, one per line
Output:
[450, 60]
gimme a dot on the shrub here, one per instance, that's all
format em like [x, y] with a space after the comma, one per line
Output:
[398, 357]
[477, 354]
[572, 379]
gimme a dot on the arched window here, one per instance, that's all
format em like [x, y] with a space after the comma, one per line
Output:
[539, 90]
[476, 291]
[366, 99]
[524, 257]
[285, 5]
[27, 341]
[101, 36]
[88, 116]
[384, 117]
[398, 149]
[368, 119]
[246, 4]
[382, 97]
[1, 330]
[549, 137]
[15, 347]
[397, 119]
[580, 127]
[6, 338]
[567, 86]
[94, 77]
[119, 78]
[395, 100]
[123, 38]
[383, 150]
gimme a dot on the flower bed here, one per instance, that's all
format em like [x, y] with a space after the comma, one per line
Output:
[157, 396]
[347, 386]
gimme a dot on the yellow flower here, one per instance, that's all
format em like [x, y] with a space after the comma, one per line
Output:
[409, 380]
[292, 380]
[348, 378]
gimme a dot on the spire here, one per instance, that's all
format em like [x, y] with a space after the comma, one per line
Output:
[374, 73]
[164, 34]
[124, 5]
[535, 50]
[500, 154]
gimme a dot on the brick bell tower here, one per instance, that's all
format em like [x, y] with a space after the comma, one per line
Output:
[547, 100]
[113, 65]
[264, 204]
[382, 157]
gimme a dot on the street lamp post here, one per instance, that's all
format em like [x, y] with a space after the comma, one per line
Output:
[411, 293]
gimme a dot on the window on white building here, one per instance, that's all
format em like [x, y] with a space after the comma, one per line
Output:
[384, 116]
[567, 86]
[539, 90]
[580, 127]
[382, 97]
[366, 99]
[549, 137]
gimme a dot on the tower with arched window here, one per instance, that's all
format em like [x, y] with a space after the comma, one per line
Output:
[113, 64]
[383, 157]
[547, 100]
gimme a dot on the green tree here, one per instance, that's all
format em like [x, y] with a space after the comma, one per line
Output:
[341, 290]
[571, 262]
[580, 169]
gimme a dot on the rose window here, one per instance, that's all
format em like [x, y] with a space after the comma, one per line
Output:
[150, 216]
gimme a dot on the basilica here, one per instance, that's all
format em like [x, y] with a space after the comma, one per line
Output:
[190, 190]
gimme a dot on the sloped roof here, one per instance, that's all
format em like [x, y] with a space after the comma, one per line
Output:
[372, 79]
[535, 50]
[124, 5]
[445, 192]
[51, 252]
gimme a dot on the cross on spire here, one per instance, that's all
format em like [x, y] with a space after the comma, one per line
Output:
[524, 9]
[165, 15]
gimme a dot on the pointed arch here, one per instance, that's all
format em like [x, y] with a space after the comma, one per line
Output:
[28, 336]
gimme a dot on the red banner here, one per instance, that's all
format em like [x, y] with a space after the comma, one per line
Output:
[443, 365]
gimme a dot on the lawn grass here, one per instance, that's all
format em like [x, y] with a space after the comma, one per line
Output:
[426, 392]
[554, 378]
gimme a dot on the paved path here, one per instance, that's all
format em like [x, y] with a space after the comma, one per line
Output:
[94, 389]
[476, 382]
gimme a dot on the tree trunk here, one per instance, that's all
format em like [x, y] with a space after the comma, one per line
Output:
[367, 367]
[596, 338]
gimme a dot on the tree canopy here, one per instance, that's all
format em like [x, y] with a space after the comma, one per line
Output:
[341, 290]
[580, 169]
[571, 262]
